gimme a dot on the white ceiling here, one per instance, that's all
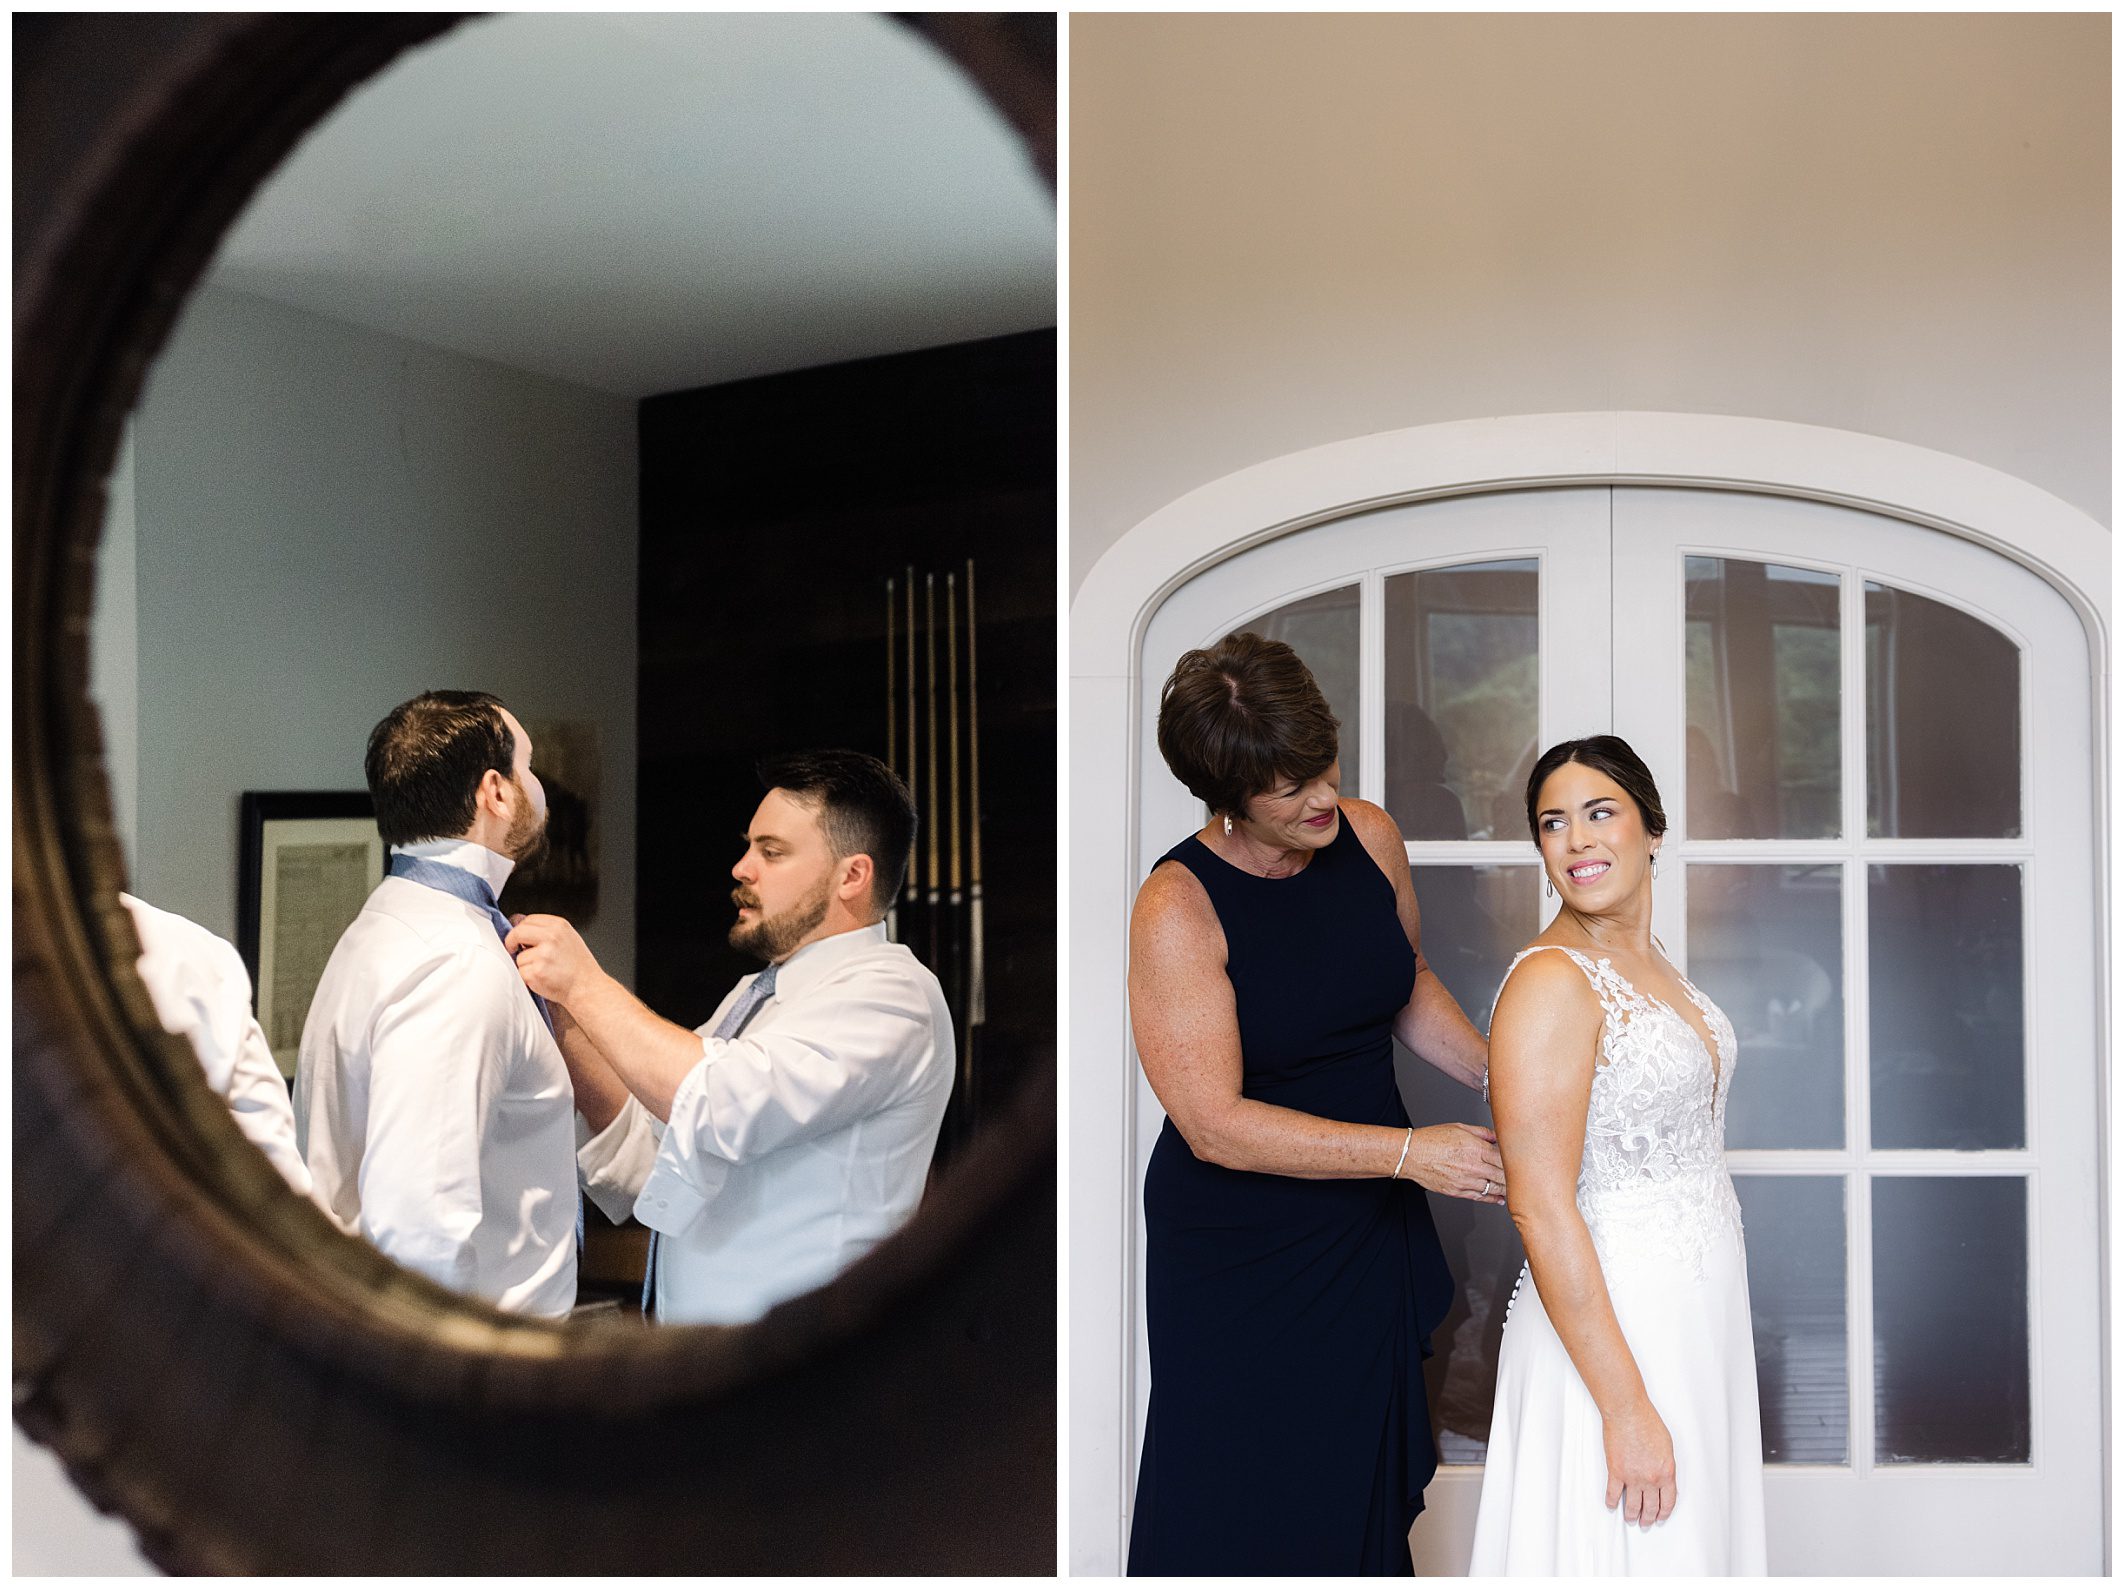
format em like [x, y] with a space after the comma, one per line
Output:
[643, 204]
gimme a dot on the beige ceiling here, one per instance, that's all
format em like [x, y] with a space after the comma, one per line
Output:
[642, 204]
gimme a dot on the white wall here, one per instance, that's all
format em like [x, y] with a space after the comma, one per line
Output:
[56, 1532]
[114, 651]
[1289, 230]
[329, 520]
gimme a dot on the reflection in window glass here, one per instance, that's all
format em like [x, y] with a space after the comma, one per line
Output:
[1460, 699]
[1795, 1226]
[1475, 918]
[1943, 722]
[1764, 681]
[1322, 629]
[1945, 996]
[1767, 944]
[1950, 1318]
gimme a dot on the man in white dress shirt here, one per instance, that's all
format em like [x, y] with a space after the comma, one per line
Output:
[202, 993]
[432, 1099]
[791, 1133]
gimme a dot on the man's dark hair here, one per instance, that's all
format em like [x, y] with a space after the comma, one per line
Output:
[1241, 717]
[863, 809]
[1605, 754]
[426, 759]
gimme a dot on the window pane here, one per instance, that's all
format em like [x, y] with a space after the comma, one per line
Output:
[1460, 699]
[1322, 629]
[1943, 722]
[1795, 1234]
[1950, 1319]
[1767, 944]
[1475, 918]
[1944, 981]
[1762, 645]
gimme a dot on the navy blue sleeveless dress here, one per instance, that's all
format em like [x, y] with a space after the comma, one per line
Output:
[1289, 1318]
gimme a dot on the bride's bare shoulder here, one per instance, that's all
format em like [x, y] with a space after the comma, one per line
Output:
[1546, 992]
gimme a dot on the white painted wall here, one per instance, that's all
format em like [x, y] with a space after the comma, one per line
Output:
[329, 520]
[56, 1532]
[114, 651]
[1292, 230]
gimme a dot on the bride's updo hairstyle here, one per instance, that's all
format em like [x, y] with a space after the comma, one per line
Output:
[1240, 717]
[1607, 755]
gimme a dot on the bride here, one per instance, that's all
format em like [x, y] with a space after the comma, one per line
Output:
[1626, 1437]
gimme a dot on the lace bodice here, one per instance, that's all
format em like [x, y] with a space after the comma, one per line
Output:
[1653, 1174]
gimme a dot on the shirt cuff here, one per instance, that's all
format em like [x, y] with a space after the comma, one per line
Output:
[616, 1161]
[684, 1180]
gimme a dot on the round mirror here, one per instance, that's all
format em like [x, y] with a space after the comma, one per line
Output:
[211, 1357]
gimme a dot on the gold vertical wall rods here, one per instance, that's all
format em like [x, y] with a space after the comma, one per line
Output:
[912, 781]
[956, 984]
[892, 706]
[935, 846]
[951, 655]
[977, 977]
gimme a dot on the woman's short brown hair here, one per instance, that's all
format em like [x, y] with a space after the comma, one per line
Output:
[1239, 718]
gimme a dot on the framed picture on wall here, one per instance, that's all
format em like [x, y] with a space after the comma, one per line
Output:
[305, 863]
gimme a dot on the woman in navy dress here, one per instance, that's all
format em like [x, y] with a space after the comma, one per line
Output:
[1292, 1274]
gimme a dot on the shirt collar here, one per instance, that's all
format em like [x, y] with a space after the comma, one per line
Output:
[466, 856]
[814, 960]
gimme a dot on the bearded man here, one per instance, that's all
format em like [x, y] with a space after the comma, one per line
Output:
[791, 1133]
[431, 1099]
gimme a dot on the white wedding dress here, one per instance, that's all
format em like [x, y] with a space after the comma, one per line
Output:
[1654, 1191]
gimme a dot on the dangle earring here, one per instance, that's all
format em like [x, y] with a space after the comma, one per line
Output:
[1655, 863]
[1227, 824]
[1548, 886]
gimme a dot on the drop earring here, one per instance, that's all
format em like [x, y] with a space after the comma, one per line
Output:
[1655, 863]
[1227, 825]
[1548, 886]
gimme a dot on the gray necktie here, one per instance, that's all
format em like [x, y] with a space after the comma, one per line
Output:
[732, 1023]
[461, 884]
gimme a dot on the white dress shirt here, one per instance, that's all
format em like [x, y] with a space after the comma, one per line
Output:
[202, 993]
[794, 1147]
[433, 1104]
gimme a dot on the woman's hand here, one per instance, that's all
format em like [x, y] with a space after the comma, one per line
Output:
[1456, 1161]
[1640, 1465]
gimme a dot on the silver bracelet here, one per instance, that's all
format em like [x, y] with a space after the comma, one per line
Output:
[1405, 1141]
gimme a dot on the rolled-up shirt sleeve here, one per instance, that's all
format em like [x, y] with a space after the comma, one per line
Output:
[847, 1050]
[616, 1161]
[439, 1057]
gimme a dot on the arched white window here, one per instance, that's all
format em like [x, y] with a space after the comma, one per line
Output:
[1875, 739]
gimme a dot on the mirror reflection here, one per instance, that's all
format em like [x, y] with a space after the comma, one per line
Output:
[574, 585]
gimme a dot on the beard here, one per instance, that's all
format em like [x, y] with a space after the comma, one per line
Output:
[773, 937]
[525, 841]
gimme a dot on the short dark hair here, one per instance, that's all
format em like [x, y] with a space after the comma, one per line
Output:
[426, 760]
[863, 808]
[1604, 753]
[1239, 717]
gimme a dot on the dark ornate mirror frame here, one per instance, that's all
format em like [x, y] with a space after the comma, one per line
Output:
[212, 1361]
